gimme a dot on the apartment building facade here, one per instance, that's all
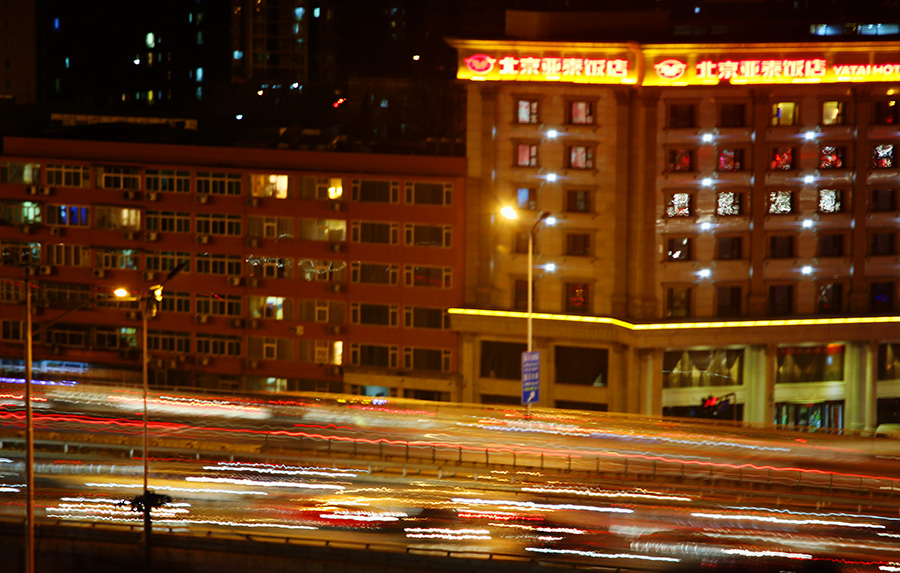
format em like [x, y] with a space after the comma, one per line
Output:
[304, 271]
[726, 225]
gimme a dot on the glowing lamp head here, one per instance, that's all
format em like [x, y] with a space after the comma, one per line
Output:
[704, 273]
[706, 182]
[809, 179]
[810, 135]
[807, 223]
[807, 270]
[120, 292]
[509, 213]
[551, 177]
[552, 134]
[706, 226]
[551, 220]
[707, 138]
[550, 267]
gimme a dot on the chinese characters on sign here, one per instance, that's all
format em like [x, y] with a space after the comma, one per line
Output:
[533, 67]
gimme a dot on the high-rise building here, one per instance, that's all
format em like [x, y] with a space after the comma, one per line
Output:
[309, 271]
[726, 223]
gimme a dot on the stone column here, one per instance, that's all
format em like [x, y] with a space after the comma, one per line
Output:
[650, 381]
[860, 394]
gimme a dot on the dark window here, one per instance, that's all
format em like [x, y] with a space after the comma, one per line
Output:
[678, 302]
[731, 248]
[781, 300]
[429, 194]
[425, 317]
[521, 294]
[831, 298]
[584, 366]
[733, 115]
[501, 360]
[679, 249]
[573, 405]
[731, 160]
[375, 191]
[375, 314]
[728, 301]
[521, 245]
[832, 157]
[373, 355]
[578, 244]
[834, 113]
[681, 160]
[886, 112]
[881, 297]
[882, 200]
[578, 201]
[681, 115]
[781, 246]
[831, 245]
[526, 198]
[782, 159]
[883, 156]
[578, 298]
[427, 359]
[882, 244]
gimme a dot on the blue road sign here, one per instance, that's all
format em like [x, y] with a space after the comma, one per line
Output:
[531, 376]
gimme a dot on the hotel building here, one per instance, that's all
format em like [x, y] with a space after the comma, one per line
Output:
[726, 224]
[305, 271]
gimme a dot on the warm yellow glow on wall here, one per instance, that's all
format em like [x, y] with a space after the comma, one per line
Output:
[678, 325]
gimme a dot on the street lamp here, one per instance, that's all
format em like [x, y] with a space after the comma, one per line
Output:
[543, 216]
[149, 302]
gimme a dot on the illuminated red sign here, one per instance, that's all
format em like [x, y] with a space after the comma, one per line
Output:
[670, 69]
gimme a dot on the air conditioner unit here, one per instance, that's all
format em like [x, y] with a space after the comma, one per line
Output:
[335, 329]
[203, 360]
[203, 198]
[130, 235]
[237, 323]
[32, 190]
[45, 190]
[252, 242]
[131, 195]
[254, 324]
[57, 231]
[337, 206]
[202, 318]
[253, 202]
[132, 315]
[99, 273]
[152, 196]
[334, 370]
[46, 270]
[148, 276]
[298, 330]
[336, 247]
[152, 236]
[252, 364]
[253, 282]
[202, 239]
[336, 287]
[235, 281]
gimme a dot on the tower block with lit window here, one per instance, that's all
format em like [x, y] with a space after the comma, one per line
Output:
[726, 225]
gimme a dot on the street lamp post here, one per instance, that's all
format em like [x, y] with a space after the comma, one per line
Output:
[543, 216]
[29, 436]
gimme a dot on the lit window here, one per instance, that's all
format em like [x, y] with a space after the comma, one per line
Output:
[526, 111]
[883, 156]
[830, 201]
[731, 160]
[831, 157]
[577, 298]
[728, 203]
[681, 160]
[581, 157]
[833, 113]
[527, 155]
[582, 113]
[780, 202]
[679, 205]
[830, 298]
[782, 159]
[679, 249]
[784, 113]
[526, 198]
[886, 112]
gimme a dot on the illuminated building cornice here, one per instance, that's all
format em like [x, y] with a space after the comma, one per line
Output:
[678, 64]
